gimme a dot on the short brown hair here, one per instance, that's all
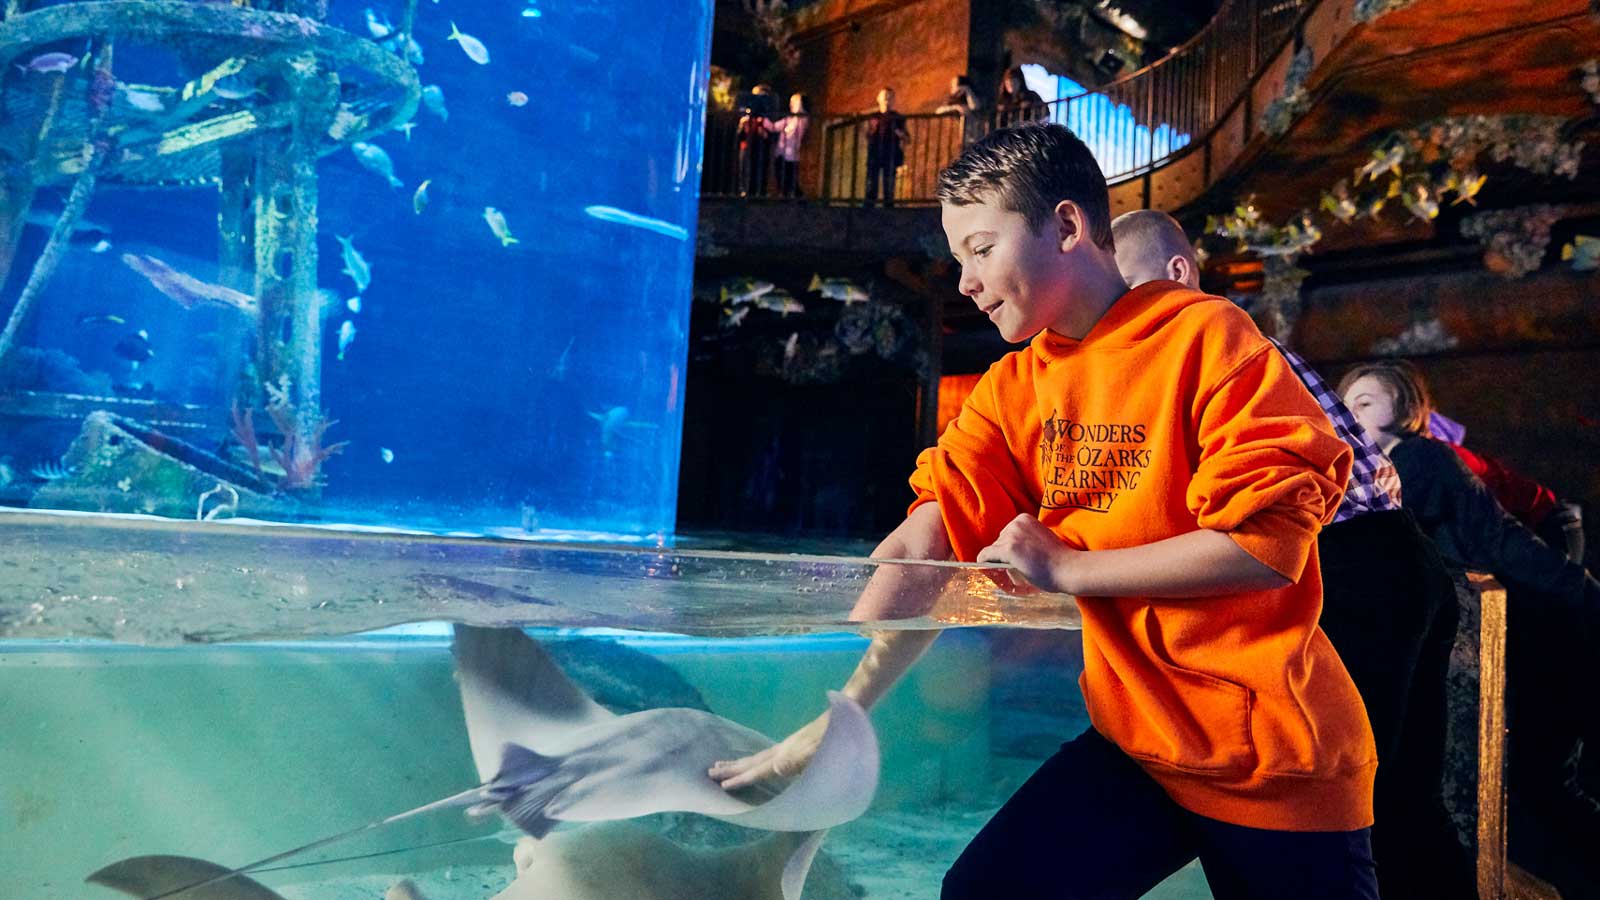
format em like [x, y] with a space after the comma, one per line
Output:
[1412, 402]
[1029, 169]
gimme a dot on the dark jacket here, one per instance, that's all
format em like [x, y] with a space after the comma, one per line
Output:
[1471, 530]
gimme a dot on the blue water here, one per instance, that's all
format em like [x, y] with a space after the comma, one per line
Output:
[534, 385]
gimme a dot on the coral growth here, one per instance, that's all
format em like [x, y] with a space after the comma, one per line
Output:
[244, 431]
[301, 455]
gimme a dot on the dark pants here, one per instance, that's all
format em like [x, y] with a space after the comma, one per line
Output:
[880, 165]
[1389, 607]
[753, 155]
[1091, 824]
[788, 178]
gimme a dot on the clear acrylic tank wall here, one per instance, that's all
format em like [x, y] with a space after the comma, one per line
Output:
[415, 264]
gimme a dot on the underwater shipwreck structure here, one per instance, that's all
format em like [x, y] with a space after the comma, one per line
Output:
[273, 88]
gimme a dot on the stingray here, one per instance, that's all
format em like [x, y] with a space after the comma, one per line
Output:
[547, 752]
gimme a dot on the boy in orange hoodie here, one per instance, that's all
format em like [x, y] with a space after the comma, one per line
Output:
[1149, 452]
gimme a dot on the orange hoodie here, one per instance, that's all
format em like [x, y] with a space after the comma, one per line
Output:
[1175, 414]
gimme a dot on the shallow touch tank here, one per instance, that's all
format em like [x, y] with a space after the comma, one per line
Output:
[403, 265]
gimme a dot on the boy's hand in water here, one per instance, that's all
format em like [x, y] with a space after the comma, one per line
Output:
[784, 759]
[1034, 550]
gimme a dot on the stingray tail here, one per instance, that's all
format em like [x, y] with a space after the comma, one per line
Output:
[523, 789]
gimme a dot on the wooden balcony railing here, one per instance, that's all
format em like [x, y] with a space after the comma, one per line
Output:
[1135, 124]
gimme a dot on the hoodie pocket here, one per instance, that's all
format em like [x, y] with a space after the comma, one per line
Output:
[1181, 719]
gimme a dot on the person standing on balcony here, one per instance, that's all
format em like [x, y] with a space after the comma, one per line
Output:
[963, 102]
[755, 141]
[886, 134]
[1018, 104]
[791, 132]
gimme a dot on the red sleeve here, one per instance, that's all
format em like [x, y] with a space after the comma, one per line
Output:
[1521, 496]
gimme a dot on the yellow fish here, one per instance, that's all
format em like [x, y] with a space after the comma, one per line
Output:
[1583, 253]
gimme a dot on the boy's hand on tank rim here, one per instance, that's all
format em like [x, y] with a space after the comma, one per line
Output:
[1033, 550]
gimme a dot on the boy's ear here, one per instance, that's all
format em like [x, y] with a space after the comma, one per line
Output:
[1071, 225]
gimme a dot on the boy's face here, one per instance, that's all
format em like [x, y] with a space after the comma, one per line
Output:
[1018, 278]
[1372, 404]
[885, 100]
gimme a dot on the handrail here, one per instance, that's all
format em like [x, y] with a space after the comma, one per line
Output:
[1134, 124]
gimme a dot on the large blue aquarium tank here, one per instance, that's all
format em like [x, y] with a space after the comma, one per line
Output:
[341, 396]
[420, 265]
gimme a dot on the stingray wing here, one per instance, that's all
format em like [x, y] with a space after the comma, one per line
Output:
[513, 693]
[150, 876]
[836, 786]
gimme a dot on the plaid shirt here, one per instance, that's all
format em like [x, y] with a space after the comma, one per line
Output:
[1374, 484]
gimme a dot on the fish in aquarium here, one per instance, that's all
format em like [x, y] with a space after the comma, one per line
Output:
[379, 28]
[744, 290]
[781, 302]
[559, 370]
[234, 87]
[186, 289]
[733, 318]
[405, 129]
[517, 98]
[353, 304]
[89, 319]
[634, 220]
[612, 424]
[355, 265]
[419, 200]
[1383, 161]
[376, 160]
[347, 336]
[433, 101]
[386, 454]
[842, 289]
[48, 62]
[135, 348]
[471, 46]
[497, 224]
[545, 751]
[1583, 252]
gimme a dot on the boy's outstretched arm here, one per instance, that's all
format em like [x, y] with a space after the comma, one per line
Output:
[893, 592]
[1201, 563]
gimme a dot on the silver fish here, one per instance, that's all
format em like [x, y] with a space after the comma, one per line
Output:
[378, 28]
[49, 62]
[376, 161]
[497, 224]
[634, 220]
[347, 334]
[841, 289]
[355, 265]
[470, 45]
